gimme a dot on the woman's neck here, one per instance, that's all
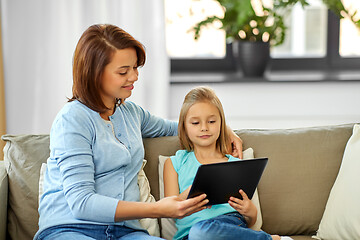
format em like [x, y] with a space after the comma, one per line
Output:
[110, 104]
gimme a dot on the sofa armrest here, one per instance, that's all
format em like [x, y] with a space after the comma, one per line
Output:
[3, 200]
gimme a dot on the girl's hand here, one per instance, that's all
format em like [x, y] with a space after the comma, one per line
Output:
[236, 144]
[185, 193]
[176, 207]
[245, 207]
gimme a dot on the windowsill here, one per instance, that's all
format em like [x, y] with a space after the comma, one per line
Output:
[273, 76]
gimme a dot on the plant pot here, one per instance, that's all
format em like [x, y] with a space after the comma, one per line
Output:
[252, 57]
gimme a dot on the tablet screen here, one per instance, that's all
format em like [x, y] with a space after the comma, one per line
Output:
[220, 181]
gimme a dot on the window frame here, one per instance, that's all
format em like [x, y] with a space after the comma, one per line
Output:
[331, 61]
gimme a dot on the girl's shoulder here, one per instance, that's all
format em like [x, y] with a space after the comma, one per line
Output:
[180, 158]
[181, 154]
[231, 158]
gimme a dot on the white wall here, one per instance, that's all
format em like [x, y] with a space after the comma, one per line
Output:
[39, 38]
[281, 104]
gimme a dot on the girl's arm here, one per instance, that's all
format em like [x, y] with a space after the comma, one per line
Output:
[245, 207]
[171, 184]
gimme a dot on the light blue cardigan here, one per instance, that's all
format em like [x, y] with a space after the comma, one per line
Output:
[89, 170]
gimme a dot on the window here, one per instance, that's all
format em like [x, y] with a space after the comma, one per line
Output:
[180, 17]
[303, 37]
[349, 34]
[316, 39]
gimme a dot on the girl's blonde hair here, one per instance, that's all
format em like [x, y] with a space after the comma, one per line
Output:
[196, 95]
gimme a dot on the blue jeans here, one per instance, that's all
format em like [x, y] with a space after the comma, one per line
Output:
[93, 231]
[224, 227]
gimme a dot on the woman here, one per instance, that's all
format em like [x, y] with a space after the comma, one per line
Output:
[96, 150]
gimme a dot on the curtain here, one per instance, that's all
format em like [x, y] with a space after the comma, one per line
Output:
[39, 38]
[2, 101]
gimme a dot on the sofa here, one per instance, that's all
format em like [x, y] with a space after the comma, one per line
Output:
[293, 191]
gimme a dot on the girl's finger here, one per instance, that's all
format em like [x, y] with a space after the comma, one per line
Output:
[237, 207]
[236, 200]
[243, 194]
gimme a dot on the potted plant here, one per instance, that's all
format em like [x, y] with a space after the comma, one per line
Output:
[253, 29]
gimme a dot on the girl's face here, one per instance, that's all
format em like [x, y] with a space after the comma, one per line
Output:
[203, 124]
[119, 76]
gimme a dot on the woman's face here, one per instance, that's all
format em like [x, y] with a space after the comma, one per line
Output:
[119, 76]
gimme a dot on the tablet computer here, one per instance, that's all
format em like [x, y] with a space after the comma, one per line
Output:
[220, 181]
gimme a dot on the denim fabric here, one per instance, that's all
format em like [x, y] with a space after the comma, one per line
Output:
[92, 231]
[225, 227]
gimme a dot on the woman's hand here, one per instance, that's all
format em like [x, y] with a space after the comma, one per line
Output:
[236, 144]
[245, 207]
[177, 207]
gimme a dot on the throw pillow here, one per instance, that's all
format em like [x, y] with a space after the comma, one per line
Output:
[150, 224]
[23, 156]
[168, 228]
[341, 217]
[41, 180]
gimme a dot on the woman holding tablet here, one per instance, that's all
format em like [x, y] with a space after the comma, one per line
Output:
[96, 148]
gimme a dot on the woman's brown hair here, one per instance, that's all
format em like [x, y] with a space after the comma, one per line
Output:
[93, 52]
[197, 95]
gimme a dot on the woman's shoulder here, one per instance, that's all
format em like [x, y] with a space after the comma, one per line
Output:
[131, 106]
[75, 111]
[75, 108]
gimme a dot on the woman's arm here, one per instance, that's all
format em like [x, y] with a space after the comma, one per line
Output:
[151, 126]
[173, 205]
[236, 143]
[71, 150]
[169, 207]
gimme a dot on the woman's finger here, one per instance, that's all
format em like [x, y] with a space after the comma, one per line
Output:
[237, 148]
[195, 204]
[236, 143]
[193, 201]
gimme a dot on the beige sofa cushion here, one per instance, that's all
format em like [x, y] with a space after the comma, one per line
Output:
[302, 167]
[303, 164]
[341, 219]
[23, 156]
[154, 147]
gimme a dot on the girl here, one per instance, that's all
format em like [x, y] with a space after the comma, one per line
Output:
[204, 139]
[96, 150]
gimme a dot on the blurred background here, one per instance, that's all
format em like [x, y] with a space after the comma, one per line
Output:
[313, 77]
